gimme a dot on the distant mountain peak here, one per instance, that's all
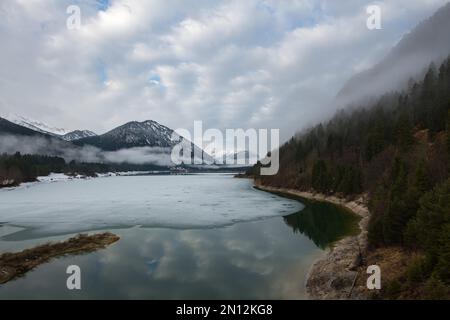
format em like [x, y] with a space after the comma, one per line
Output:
[78, 134]
[136, 134]
[35, 125]
[148, 133]
[10, 128]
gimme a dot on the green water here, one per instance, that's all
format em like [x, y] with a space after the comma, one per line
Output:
[324, 223]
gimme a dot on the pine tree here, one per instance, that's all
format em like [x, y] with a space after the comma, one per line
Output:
[427, 98]
[402, 204]
[320, 177]
[375, 142]
[300, 152]
[405, 137]
[432, 226]
[422, 181]
[448, 133]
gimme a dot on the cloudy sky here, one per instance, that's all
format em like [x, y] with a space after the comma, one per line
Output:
[232, 64]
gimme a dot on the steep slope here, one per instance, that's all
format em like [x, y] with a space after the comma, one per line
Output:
[131, 135]
[429, 41]
[36, 125]
[138, 135]
[15, 138]
[8, 127]
[78, 134]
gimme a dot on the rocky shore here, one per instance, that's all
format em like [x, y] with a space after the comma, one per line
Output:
[335, 276]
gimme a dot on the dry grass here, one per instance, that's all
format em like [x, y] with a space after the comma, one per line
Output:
[13, 265]
[393, 262]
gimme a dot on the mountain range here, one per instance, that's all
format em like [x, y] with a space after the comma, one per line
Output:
[8, 127]
[78, 134]
[44, 128]
[131, 135]
[134, 135]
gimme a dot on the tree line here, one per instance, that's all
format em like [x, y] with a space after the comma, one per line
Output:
[18, 168]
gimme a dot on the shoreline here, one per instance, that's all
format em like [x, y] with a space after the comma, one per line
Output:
[62, 177]
[51, 178]
[334, 276]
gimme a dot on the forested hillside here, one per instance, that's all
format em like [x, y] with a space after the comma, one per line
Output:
[15, 169]
[397, 151]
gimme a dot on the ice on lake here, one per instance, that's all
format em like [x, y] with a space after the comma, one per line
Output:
[181, 202]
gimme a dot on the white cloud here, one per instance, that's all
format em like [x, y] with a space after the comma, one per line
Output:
[253, 63]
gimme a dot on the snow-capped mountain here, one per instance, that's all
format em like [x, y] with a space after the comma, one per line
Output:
[10, 128]
[42, 127]
[230, 158]
[35, 125]
[139, 134]
[133, 134]
[78, 134]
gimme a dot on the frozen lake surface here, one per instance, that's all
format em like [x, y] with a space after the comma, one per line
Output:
[182, 202]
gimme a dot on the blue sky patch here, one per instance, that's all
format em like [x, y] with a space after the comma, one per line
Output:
[103, 5]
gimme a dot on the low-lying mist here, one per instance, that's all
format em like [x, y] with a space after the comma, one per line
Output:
[11, 144]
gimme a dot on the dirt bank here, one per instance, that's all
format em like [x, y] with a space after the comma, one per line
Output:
[13, 265]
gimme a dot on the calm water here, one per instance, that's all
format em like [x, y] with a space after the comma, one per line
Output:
[182, 237]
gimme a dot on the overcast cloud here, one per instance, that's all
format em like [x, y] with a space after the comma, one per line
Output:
[232, 64]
